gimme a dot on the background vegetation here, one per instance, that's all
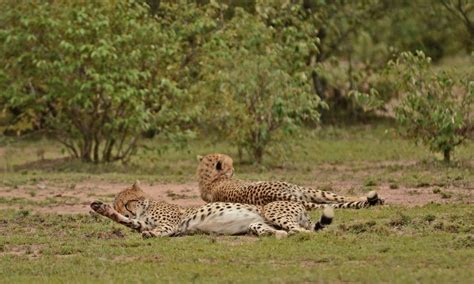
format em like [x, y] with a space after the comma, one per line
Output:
[100, 77]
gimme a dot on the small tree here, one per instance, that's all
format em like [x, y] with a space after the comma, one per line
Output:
[257, 94]
[436, 108]
[91, 73]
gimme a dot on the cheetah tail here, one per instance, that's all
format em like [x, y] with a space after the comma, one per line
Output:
[372, 199]
[326, 218]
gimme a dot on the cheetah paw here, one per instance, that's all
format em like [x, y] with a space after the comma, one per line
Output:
[100, 207]
[281, 234]
[148, 234]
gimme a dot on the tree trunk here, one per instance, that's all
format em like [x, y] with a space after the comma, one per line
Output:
[96, 150]
[447, 156]
[240, 154]
[154, 6]
[86, 150]
[319, 84]
[258, 154]
[107, 154]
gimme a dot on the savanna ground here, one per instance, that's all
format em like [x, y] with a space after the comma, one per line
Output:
[425, 233]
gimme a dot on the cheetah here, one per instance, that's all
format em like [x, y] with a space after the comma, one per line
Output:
[216, 184]
[134, 209]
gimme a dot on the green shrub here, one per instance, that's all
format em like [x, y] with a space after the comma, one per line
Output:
[92, 74]
[254, 91]
[436, 109]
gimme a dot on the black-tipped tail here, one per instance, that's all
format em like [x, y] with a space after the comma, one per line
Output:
[326, 218]
[373, 199]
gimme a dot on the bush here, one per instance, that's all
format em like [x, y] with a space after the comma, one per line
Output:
[90, 73]
[257, 94]
[436, 108]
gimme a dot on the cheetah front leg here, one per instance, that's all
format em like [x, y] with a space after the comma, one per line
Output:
[109, 212]
[262, 229]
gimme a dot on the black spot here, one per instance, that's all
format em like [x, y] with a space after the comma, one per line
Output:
[219, 165]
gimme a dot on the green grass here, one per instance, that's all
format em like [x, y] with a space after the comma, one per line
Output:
[366, 152]
[433, 243]
[63, 200]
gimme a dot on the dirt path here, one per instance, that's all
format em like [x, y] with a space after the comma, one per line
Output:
[52, 198]
[44, 197]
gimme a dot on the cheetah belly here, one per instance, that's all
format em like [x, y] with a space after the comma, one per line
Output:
[228, 222]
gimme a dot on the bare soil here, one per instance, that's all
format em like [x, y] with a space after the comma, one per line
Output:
[64, 199]
[31, 251]
[76, 198]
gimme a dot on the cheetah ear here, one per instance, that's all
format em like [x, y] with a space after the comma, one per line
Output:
[136, 184]
[199, 158]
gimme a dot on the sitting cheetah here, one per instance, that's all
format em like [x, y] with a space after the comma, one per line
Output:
[215, 172]
[134, 209]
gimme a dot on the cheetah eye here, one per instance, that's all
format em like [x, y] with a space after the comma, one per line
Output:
[219, 166]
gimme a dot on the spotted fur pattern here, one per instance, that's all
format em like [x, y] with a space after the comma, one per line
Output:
[134, 209]
[216, 183]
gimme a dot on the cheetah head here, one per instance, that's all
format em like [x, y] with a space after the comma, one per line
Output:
[126, 201]
[213, 167]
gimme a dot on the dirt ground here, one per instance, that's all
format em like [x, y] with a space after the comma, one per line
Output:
[64, 199]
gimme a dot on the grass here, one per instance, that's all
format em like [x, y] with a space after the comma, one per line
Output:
[428, 244]
[63, 200]
[432, 243]
[374, 154]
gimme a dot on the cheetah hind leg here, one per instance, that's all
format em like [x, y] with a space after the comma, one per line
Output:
[302, 224]
[262, 229]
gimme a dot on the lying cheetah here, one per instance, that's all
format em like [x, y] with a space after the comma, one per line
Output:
[134, 209]
[215, 172]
